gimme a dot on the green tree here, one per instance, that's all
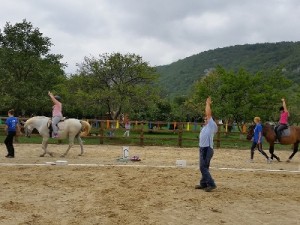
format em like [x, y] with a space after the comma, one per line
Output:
[240, 96]
[269, 87]
[28, 70]
[117, 83]
[179, 112]
[293, 104]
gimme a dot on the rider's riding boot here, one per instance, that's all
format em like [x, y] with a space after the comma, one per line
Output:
[278, 139]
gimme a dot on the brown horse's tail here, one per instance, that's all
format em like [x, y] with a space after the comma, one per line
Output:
[86, 128]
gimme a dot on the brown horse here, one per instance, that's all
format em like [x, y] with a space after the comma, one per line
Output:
[293, 137]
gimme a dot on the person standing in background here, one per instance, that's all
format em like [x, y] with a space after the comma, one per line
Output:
[127, 128]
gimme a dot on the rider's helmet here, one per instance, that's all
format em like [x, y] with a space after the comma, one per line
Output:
[58, 98]
[281, 108]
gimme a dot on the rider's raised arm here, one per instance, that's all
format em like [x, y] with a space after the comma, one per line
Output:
[54, 100]
[284, 105]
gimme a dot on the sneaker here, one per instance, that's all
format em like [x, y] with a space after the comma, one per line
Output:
[269, 160]
[210, 188]
[200, 187]
[251, 161]
[55, 136]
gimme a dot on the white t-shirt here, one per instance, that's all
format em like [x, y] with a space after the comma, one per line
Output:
[207, 134]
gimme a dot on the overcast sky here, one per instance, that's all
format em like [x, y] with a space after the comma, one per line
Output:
[161, 31]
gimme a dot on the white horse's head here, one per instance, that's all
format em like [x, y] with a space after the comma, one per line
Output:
[32, 123]
[28, 128]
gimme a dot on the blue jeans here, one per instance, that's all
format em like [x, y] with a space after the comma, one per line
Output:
[206, 154]
[55, 121]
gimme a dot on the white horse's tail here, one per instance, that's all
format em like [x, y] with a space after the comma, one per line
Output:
[86, 128]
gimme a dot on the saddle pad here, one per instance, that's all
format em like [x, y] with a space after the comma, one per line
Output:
[286, 132]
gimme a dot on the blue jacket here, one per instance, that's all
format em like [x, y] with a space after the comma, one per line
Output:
[12, 123]
[257, 130]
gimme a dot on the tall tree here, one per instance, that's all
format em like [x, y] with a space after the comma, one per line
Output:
[28, 70]
[123, 83]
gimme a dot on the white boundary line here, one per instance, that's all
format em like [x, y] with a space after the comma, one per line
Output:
[253, 170]
[130, 165]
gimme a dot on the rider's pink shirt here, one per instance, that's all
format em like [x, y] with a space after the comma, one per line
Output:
[57, 109]
[284, 118]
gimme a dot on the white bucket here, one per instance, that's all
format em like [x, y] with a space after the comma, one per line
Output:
[181, 163]
[125, 152]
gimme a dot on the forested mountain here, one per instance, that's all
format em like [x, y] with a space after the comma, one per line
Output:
[177, 78]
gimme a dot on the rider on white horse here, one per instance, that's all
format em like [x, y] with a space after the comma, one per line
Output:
[56, 113]
[72, 128]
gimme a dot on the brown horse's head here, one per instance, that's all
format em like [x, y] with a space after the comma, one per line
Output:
[269, 132]
[250, 132]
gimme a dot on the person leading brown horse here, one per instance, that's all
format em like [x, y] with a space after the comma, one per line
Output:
[269, 133]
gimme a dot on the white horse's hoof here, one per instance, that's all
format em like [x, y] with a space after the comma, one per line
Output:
[288, 160]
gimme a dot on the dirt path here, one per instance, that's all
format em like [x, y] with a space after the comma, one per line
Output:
[97, 188]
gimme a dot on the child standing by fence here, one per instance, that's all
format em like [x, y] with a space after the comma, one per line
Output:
[127, 127]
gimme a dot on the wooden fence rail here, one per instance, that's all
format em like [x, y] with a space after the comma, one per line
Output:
[148, 132]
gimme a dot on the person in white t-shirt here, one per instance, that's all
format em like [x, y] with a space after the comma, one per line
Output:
[206, 151]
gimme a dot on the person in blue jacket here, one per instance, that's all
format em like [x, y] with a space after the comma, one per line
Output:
[11, 129]
[258, 140]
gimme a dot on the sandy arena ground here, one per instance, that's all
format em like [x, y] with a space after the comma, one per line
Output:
[97, 188]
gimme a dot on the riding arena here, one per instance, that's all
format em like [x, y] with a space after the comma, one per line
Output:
[101, 187]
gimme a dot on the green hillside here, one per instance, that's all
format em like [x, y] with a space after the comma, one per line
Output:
[177, 78]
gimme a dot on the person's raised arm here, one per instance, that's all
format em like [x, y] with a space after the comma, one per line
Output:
[284, 105]
[208, 108]
[52, 98]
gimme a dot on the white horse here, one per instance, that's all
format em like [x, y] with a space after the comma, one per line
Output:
[69, 128]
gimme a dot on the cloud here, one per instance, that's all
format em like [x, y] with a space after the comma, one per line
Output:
[161, 31]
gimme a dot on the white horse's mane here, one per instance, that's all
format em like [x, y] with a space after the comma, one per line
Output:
[38, 117]
[32, 119]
